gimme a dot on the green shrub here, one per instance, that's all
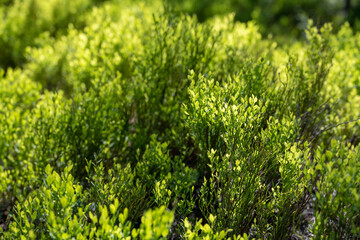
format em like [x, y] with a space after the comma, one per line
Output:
[25, 20]
[200, 231]
[337, 192]
[59, 210]
[254, 168]
[126, 120]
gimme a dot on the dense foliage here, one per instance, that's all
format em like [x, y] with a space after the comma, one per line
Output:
[129, 120]
[276, 16]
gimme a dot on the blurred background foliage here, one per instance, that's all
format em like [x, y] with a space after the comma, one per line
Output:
[276, 16]
[23, 22]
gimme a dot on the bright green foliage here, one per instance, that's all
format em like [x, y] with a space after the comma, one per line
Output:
[58, 211]
[200, 231]
[337, 201]
[343, 82]
[24, 20]
[19, 96]
[155, 224]
[156, 165]
[51, 209]
[255, 170]
[127, 120]
[56, 129]
[118, 184]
